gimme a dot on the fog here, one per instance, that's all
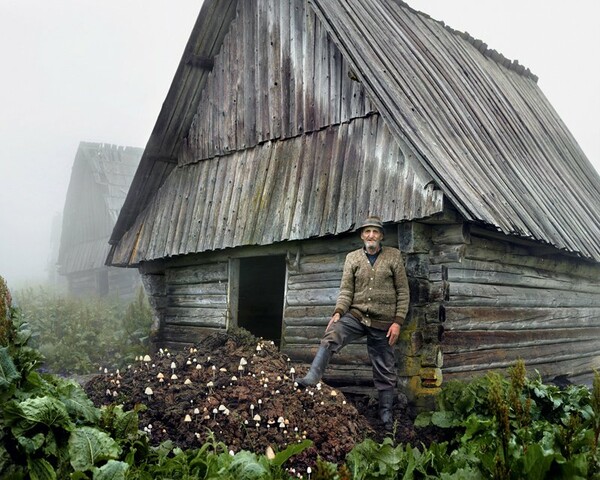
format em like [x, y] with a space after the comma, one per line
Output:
[98, 71]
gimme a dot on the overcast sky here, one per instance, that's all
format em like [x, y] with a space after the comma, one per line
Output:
[99, 70]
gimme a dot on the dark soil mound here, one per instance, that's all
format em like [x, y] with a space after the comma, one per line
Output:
[250, 406]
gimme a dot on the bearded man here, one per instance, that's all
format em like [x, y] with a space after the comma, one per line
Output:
[372, 302]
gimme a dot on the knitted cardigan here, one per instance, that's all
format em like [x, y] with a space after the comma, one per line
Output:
[376, 295]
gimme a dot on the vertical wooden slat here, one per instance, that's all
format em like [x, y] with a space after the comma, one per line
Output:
[274, 69]
[284, 77]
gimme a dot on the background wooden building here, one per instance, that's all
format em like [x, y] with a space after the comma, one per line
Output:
[288, 121]
[100, 178]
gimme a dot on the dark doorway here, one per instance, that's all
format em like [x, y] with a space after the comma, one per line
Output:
[261, 289]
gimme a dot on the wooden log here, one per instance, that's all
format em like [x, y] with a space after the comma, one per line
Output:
[314, 285]
[518, 318]
[450, 234]
[576, 368]
[197, 273]
[447, 253]
[414, 237]
[326, 296]
[182, 315]
[472, 271]
[489, 358]
[308, 311]
[300, 278]
[417, 265]
[197, 289]
[508, 254]
[214, 301]
[465, 294]
[320, 322]
[183, 335]
[475, 340]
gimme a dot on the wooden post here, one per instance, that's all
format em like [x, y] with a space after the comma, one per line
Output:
[427, 247]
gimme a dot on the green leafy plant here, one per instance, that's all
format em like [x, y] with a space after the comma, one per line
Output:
[520, 428]
[80, 335]
[49, 429]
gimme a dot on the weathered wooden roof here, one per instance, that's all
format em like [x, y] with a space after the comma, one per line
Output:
[487, 134]
[281, 190]
[178, 110]
[480, 125]
[100, 179]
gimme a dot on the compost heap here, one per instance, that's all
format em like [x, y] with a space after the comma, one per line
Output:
[241, 390]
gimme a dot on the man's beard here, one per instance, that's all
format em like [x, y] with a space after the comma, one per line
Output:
[372, 245]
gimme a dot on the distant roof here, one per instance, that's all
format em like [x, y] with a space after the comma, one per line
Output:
[100, 178]
[483, 129]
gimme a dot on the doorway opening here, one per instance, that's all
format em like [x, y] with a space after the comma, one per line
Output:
[260, 300]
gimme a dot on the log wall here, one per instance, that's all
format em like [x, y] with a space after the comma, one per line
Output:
[508, 302]
[189, 301]
[480, 301]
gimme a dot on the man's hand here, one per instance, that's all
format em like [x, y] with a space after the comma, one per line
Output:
[334, 318]
[393, 333]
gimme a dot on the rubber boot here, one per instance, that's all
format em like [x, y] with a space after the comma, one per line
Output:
[318, 366]
[386, 406]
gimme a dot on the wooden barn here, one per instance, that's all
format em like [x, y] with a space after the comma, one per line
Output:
[100, 178]
[288, 121]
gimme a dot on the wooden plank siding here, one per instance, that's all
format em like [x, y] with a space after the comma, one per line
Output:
[283, 190]
[300, 82]
[195, 302]
[505, 303]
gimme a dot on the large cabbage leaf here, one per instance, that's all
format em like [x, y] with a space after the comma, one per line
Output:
[88, 446]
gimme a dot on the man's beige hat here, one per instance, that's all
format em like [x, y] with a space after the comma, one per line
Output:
[372, 221]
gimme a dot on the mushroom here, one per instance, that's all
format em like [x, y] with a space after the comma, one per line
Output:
[148, 391]
[269, 453]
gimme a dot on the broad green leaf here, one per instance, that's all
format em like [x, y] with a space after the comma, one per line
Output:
[290, 451]
[246, 466]
[40, 469]
[48, 411]
[88, 445]
[423, 419]
[78, 404]
[443, 419]
[31, 445]
[8, 371]
[124, 423]
[112, 470]
[536, 462]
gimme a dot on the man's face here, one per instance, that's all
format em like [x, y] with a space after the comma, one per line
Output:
[372, 237]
